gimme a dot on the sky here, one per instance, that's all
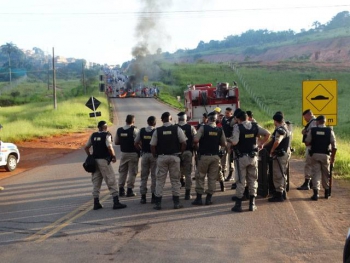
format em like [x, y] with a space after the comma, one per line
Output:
[106, 31]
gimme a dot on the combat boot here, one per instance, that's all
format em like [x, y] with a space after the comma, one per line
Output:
[252, 206]
[198, 200]
[188, 194]
[208, 199]
[182, 181]
[177, 204]
[233, 186]
[277, 197]
[130, 192]
[228, 178]
[121, 191]
[97, 204]
[158, 203]
[234, 198]
[305, 185]
[222, 186]
[238, 206]
[326, 194]
[153, 199]
[143, 199]
[315, 196]
[116, 204]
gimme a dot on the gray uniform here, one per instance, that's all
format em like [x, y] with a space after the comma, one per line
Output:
[208, 165]
[168, 163]
[248, 166]
[308, 162]
[104, 171]
[320, 163]
[186, 163]
[128, 164]
[148, 166]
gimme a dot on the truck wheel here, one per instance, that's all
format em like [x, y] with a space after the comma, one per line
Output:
[11, 163]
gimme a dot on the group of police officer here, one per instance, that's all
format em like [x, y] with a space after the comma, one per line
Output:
[170, 148]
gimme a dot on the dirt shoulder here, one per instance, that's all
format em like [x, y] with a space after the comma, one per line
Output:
[40, 151]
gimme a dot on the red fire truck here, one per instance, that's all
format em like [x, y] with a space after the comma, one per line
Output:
[204, 98]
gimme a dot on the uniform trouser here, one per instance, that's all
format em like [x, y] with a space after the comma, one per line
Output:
[148, 166]
[308, 164]
[186, 168]
[128, 164]
[226, 161]
[207, 166]
[165, 164]
[104, 171]
[279, 177]
[248, 168]
[320, 170]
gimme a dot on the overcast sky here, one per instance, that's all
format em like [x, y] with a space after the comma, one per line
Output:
[104, 31]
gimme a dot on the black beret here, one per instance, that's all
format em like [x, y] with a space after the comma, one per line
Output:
[101, 123]
[306, 111]
[205, 115]
[238, 110]
[277, 117]
[181, 113]
[321, 118]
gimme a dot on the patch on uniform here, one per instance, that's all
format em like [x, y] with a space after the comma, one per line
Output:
[213, 133]
[123, 135]
[320, 133]
[166, 132]
[250, 135]
[147, 137]
[97, 139]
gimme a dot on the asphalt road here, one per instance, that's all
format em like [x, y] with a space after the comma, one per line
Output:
[46, 216]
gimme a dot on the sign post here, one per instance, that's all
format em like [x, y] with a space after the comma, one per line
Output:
[93, 104]
[321, 97]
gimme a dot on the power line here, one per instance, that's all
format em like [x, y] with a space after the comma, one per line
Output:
[174, 12]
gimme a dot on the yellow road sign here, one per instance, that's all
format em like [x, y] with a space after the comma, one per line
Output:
[320, 96]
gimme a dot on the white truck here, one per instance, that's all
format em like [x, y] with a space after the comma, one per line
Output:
[9, 156]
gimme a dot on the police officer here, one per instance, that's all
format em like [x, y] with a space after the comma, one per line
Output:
[204, 121]
[168, 142]
[129, 159]
[244, 140]
[280, 154]
[311, 122]
[103, 153]
[187, 155]
[148, 162]
[320, 139]
[227, 125]
[210, 138]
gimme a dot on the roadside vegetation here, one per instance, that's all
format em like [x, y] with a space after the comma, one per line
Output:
[279, 88]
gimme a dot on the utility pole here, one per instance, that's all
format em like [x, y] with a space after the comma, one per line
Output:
[83, 76]
[10, 70]
[54, 79]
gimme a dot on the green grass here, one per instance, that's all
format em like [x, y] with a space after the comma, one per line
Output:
[279, 88]
[33, 120]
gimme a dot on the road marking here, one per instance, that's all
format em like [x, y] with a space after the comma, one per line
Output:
[63, 222]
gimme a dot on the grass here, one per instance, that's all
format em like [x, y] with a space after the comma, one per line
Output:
[33, 120]
[279, 89]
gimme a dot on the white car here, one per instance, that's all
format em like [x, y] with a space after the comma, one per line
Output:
[9, 156]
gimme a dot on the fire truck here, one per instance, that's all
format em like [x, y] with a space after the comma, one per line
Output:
[204, 98]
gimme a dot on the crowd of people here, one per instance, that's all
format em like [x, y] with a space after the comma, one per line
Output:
[221, 143]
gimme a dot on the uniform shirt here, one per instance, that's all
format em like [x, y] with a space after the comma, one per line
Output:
[280, 137]
[108, 141]
[180, 134]
[193, 129]
[313, 123]
[125, 128]
[309, 136]
[138, 137]
[248, 125]
[200, 133]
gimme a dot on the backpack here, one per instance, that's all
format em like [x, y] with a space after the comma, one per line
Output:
[89, 164]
